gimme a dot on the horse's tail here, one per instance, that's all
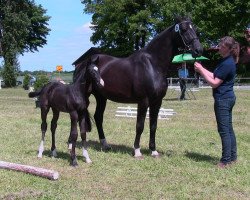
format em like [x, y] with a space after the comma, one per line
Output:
[35, 94]
[88, 122]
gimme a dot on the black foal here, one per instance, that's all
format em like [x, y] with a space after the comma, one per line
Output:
[71, 99]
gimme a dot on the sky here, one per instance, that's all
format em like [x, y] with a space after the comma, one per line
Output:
[68, 39]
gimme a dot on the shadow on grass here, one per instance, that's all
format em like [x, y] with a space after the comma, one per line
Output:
[171, 99]
[201, 157]
[123, 149]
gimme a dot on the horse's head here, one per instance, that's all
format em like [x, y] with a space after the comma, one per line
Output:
[79, 73]
[187, 37]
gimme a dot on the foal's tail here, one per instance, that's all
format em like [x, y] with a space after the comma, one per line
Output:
[88, 122]
[35, 94]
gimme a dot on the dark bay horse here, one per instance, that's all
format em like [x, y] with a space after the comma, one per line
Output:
[70, 99]
[141, 78]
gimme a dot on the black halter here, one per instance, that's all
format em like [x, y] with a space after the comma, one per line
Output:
[177, 29]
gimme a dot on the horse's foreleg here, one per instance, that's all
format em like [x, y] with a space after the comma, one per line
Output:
[44, 112]
[73, 136]
[141, 115]
[98, 116]
[153, 115]
[53, 131]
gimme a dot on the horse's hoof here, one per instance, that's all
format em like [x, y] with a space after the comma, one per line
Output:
[106, 148]
[53, 154]
[39, 156]
[139, 157]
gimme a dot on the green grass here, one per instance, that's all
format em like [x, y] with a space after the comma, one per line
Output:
[189, 143]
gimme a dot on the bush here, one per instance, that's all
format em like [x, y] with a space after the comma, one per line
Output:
[26, 81]
[41, 80]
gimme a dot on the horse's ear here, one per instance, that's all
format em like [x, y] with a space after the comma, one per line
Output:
[95, 59]
[188, 17]
[177, 18]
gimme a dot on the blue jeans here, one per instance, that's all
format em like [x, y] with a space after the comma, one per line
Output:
[223, 112]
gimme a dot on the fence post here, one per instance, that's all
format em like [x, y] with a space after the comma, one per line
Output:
[171, 81]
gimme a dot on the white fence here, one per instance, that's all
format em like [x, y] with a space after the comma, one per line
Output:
[201, 83]
[132, 112]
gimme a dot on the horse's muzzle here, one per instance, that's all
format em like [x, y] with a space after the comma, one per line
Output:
[197, 49]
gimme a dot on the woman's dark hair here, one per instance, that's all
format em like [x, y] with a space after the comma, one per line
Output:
[233, 45]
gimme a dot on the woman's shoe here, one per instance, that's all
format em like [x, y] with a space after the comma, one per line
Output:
[233, 162]
[222, 165]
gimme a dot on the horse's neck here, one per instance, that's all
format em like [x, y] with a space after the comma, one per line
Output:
[162, 48]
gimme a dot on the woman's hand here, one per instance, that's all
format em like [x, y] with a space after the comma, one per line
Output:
[197, 67]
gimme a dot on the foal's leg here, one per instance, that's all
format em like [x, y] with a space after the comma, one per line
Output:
[44, 112]
[73, 136]
[153, 117]
[141, 115]
[82, 124]
[53, 131]
[98, 116]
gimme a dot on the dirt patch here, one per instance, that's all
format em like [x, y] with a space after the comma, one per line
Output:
[24, 194]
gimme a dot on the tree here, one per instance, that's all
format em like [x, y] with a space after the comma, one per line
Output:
[41, 81]
[23, 28]
[123, 25]
[128, 25]
[10, 71]
[26, 81]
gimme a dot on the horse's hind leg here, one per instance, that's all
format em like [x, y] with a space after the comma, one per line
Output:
[44, 112]
[53, 131]
[82, 124]
[73, 136]
[98, 116]
[141, 115]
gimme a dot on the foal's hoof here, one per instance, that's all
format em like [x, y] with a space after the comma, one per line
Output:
[88, 161]
[74, 164]
[156, 156]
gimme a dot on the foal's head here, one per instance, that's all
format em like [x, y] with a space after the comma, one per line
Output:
[186, 36]
[79, 73]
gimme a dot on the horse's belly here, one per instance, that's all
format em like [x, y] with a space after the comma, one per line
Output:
[120, 96]
[122, 99]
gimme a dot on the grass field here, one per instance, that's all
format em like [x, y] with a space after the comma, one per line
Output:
[189, 143]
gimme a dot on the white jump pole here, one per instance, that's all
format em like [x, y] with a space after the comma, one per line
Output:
[45, 173]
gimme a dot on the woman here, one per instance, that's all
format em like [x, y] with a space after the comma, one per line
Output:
[222, 82]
